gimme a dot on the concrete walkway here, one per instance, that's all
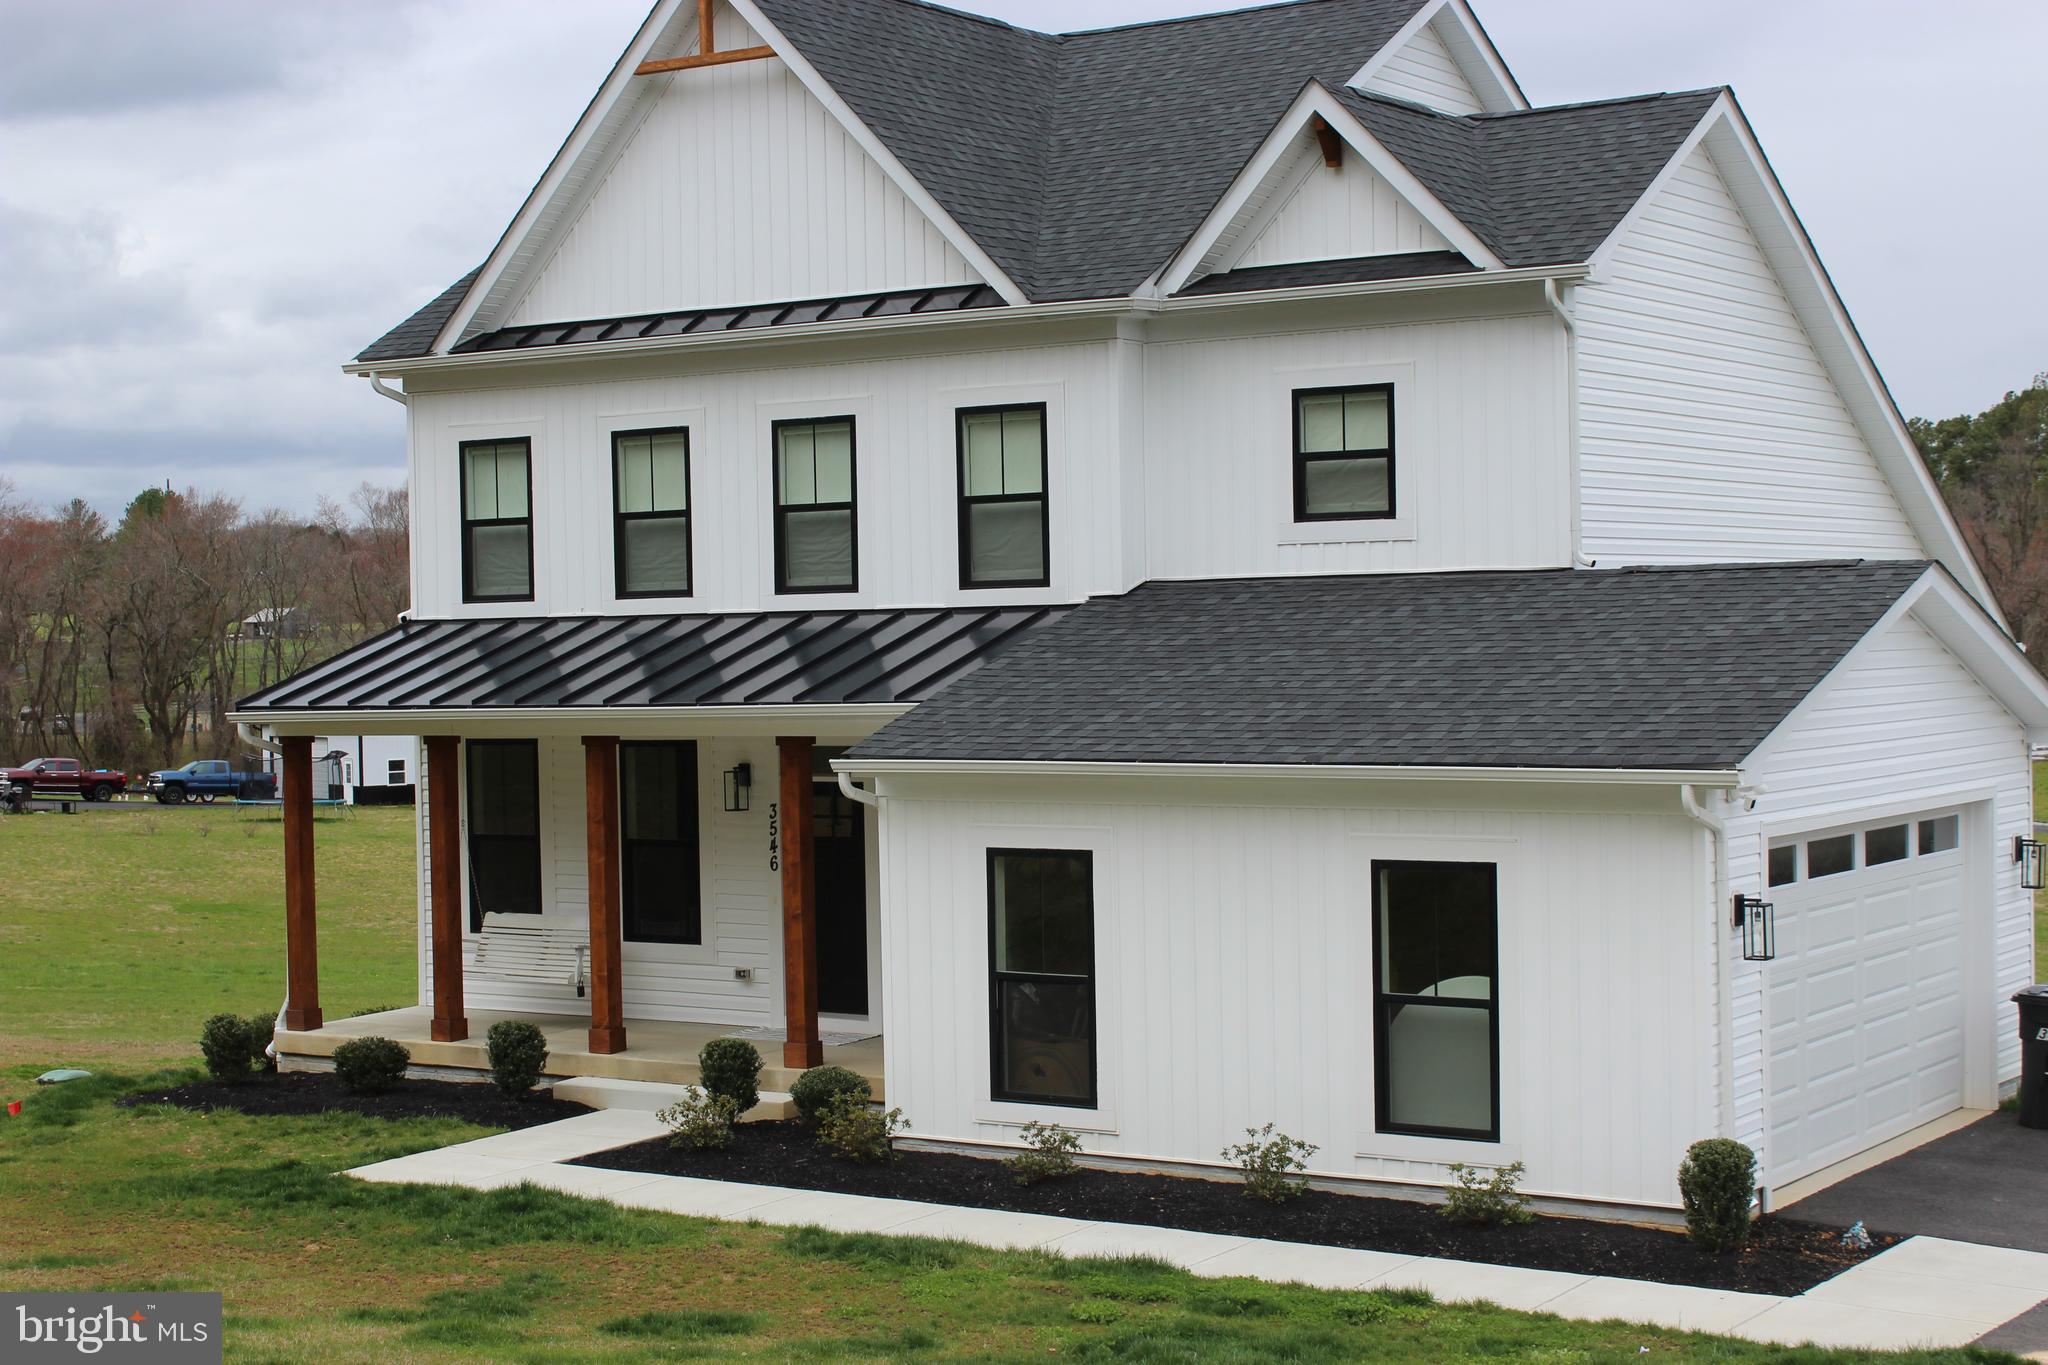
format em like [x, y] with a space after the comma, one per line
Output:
[1925, 1291]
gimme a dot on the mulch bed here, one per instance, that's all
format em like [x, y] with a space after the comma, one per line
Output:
[320, 1092]
[1783, 1257]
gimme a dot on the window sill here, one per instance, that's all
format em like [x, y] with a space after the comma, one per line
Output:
[1344, 532]
[1011, 1114]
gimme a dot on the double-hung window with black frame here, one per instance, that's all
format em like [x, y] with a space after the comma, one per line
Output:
[651, 512]
[497, 521]
[817, 536]
[1005, 533]
[1344, 453]
[1041, 929]
[503, 781]
[1436, 988]
[660, 893]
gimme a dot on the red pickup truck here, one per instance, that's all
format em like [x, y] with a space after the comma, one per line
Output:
[58, 778]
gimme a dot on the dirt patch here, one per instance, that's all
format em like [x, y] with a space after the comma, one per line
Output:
[1783, 1257]
[319, 1092]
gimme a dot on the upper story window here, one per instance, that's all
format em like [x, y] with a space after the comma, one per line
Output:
[1344, 453]
[1004, 536]
[651, 512]
[816, 537]
[497, 521]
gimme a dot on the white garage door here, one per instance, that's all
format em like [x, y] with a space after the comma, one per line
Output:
[1866, 996]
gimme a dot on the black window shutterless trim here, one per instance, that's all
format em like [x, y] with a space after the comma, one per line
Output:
[1303, 459]
[997, 978]
[1385, 1003]
[850, 506]
[619, 519]
[469, 527]
[1043, 497]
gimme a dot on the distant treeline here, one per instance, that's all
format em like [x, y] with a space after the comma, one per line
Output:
[127, 645]
[1993, 469]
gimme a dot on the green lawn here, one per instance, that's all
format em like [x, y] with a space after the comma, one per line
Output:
[122, 931]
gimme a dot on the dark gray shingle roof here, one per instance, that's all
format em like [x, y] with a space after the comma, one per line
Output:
[734, 659]
[1680, 668]
[415, 336]
[1081, 162]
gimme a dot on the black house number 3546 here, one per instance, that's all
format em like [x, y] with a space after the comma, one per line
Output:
[774, 838]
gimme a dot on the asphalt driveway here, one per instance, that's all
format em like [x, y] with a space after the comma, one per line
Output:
[1985, 1183]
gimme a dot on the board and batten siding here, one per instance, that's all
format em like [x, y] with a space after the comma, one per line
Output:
[907, 482]
[1710, 430]
[1423, 70]
[1899, 728]
[1234, 979]
[1338, 214]
[738, 187]
[1481, 472]
[742, 899]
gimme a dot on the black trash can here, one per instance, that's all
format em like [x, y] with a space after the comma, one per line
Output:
[2033, 1003]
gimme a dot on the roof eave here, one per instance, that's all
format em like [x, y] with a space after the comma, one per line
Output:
[1728, 777]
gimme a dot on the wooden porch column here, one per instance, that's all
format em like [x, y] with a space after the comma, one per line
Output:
[301, 948]
[799, 908]
[444, 860]
[607, 947]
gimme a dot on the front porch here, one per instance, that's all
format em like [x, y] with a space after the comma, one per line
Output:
[661, 1050]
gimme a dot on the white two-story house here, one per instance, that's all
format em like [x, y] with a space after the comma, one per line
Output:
[1183, 576]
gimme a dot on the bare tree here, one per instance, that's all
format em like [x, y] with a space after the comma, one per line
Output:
[372, 583]
[2004, 515]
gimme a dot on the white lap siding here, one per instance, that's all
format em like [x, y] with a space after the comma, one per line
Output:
[742, 906]
[1901, 727]
[1234, 981]
[1710, 430]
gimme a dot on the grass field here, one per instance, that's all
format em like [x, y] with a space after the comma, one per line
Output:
[122, 930]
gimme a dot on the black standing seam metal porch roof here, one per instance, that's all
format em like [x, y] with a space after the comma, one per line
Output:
[754, 659]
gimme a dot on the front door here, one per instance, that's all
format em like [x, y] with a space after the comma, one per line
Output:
[841, 856]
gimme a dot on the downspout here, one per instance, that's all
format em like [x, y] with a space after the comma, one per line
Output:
[253, 735]
[853, 793]
[1724, 981]
[1555, 298]
[395, 395]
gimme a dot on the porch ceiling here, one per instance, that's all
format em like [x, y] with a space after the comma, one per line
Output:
[751, 661]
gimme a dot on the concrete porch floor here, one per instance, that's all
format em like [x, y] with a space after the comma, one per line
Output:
[658, 1049]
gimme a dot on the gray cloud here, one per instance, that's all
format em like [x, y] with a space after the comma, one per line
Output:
[67, 286]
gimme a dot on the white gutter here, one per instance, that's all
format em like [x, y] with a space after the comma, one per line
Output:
[372, 720]
[1028, 312]
[395, 395]
[1553, 296]
[1684, 777]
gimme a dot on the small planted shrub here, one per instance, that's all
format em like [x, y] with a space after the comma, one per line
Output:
[854, 1130]
[224, 1040]
[820, 1085]
[517, 1050]
[1717, 1181]
[1487, 1195]
[1272, 1164]
[731, 1068]
[700, 1121]
[370, 1066]
[260, 1028]
[1048, 1155]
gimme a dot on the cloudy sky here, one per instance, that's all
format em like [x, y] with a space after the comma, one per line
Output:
[207, 205]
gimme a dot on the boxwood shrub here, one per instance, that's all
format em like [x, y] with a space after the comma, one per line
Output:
[231, 1045]
[820, 1085]
[1717, 1181]
[730, 1068]
[370, 1066]
[517, 1050]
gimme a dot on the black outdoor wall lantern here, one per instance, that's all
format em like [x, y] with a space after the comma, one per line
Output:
[739, 787]
[2032, 856]
[1757, 918]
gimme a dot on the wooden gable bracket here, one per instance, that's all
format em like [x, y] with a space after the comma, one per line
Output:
[1333, 146]
[707, 53]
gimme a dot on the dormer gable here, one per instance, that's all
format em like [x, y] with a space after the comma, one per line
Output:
[1443, 60]
[1332, 208]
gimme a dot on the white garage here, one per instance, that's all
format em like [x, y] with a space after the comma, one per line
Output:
[1866, 999]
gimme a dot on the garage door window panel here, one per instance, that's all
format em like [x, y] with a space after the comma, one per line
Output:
[1832, 856]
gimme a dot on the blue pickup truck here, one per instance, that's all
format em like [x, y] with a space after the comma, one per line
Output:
[209, 779]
